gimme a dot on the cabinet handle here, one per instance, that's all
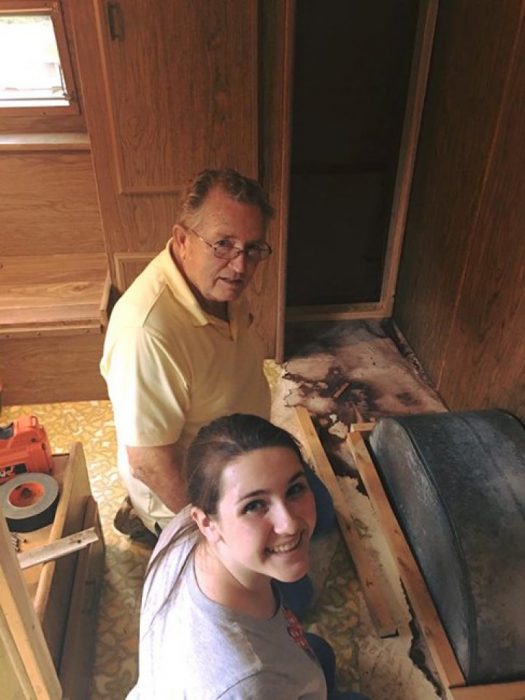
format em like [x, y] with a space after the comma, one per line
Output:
[115, 21]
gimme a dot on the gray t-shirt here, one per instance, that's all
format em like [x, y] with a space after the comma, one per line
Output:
[195, 649]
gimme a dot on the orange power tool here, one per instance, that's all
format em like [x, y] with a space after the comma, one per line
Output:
[24, 447]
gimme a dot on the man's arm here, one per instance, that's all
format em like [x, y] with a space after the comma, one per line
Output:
[160, 468]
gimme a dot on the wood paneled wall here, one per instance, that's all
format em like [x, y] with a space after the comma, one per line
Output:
[461, 294]
[49, 204]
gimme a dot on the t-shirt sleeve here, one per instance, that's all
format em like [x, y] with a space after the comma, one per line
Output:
[148, 389]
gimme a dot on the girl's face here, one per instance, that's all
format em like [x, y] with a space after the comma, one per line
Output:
[265, 517]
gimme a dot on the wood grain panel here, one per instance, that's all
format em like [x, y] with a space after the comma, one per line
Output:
[181, 82]
[472, 50]
[61, 267]
[58, 292]
[484, 364]
[267, 291]
[176, 93]
[49, 204]
[130, 265]
[49, 369]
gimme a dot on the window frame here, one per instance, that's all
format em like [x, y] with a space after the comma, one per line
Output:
[53, 9]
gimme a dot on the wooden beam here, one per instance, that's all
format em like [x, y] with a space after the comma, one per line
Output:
[364, 427]
[417, 87]
[366, 568]
[426, 613]
[514, 690]
[30, 656]
[338, 312]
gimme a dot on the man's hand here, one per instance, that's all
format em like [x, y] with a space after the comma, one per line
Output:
[160, 468]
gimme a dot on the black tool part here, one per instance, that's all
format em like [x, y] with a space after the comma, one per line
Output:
[456, 482]
[7, 431]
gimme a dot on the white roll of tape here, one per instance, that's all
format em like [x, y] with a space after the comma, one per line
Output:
[28, 501]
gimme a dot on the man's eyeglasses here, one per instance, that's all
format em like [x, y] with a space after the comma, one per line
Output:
[226, 250]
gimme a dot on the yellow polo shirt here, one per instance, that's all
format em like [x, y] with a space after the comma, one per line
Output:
[171, 368]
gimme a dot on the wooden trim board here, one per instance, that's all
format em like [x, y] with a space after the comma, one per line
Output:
[417, 87]
[493, 691]
[30, 656]
[366, 568]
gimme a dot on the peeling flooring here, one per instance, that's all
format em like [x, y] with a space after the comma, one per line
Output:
[341, 372]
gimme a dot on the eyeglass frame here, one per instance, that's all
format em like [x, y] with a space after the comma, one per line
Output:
[256, 247]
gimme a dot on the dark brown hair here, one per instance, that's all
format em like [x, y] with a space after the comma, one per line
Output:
[218, 443]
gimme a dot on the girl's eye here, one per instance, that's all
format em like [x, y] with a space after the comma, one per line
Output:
[254, 507]
[297, 489]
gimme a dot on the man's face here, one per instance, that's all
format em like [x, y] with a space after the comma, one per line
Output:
[221, 218]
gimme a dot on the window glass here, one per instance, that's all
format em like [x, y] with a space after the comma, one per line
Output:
[30, 70]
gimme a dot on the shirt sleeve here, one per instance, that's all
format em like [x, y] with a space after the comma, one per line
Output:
[148, 388]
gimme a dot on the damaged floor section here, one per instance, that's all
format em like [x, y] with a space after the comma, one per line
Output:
[341, 372]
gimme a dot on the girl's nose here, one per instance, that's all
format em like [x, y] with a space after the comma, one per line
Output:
[284, 521]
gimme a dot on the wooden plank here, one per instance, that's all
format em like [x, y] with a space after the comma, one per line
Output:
[68, 312]
[49, 204]
[49, 330]
[490, 344]
[277, 26]
[337, 312]
[104, 301]
[426, 613]
[56, 580]
[464, 235]
[54, 368]
[23, 625]
[362, 427]
[366, 568]
[52, 268]
[45, 142]
[407, 151]
[26, 296]
[78, 649]
[493, 691]
[59, 548]
[15, 681]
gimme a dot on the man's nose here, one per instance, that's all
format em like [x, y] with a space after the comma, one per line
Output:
[238, 263]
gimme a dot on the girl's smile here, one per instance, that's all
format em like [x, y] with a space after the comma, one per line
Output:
[266, 515]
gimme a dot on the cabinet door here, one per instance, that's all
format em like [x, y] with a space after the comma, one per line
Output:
[170, 87]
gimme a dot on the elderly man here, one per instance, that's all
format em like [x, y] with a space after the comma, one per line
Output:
[180, 347]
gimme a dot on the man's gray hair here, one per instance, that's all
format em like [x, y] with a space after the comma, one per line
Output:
[238, 187]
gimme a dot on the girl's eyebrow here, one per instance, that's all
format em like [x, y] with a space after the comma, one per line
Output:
[262, 492]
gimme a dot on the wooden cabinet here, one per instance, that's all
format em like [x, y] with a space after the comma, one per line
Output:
[174, 86]
[170, 87]
[48, 612]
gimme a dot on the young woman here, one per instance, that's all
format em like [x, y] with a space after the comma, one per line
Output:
[212, 622]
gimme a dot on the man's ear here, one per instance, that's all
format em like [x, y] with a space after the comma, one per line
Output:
[208, 526]
[180, 238]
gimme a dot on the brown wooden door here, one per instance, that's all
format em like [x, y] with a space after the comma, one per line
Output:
[170, 88]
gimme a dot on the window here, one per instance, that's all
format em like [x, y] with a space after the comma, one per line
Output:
[35, 68]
